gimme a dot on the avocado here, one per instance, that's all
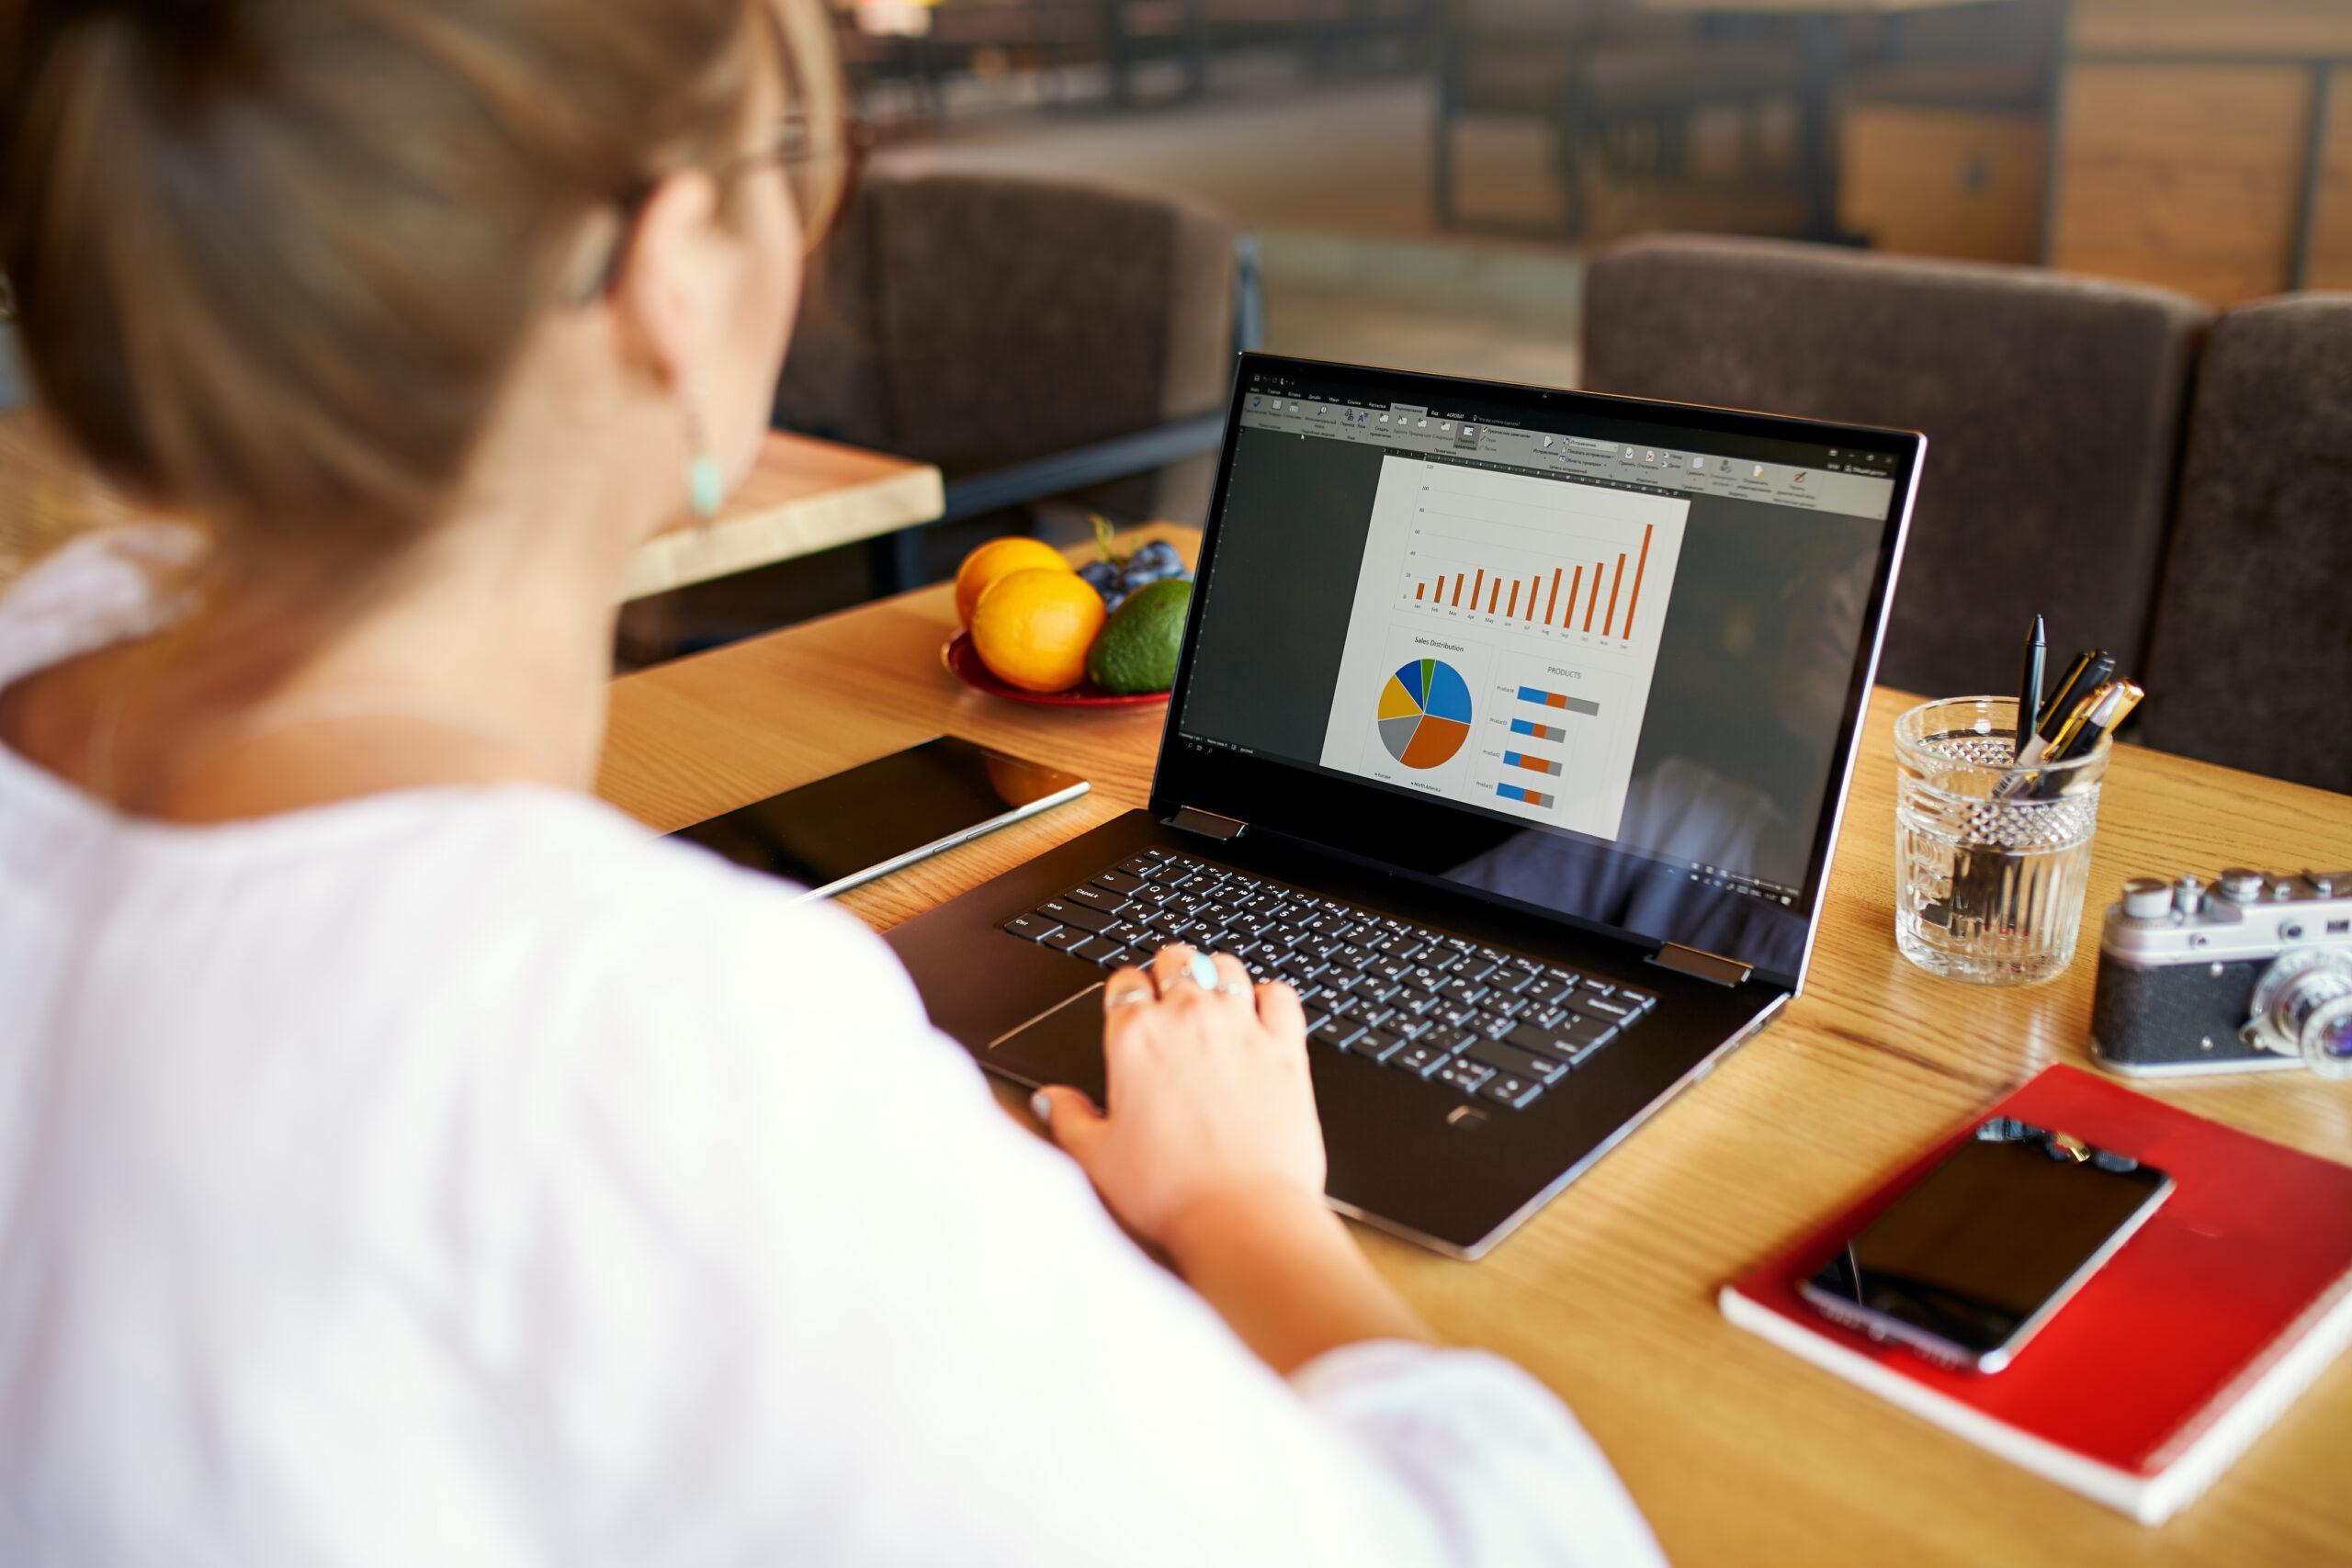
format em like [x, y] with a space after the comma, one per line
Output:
[1137, 650]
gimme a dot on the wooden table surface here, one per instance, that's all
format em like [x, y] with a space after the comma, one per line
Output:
[803, 495]
[1738, 1452]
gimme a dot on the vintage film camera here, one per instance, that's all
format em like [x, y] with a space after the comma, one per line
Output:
[2253, 971]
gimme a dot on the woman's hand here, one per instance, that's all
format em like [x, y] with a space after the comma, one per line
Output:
[1211, 1150]
[1211, 1107]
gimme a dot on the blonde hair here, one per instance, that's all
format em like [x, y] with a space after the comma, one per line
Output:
[273, 260]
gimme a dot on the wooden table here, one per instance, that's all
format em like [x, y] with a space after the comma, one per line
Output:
[803, 495]
[1738, 1452]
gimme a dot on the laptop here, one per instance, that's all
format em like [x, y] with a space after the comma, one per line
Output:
[1513, 727]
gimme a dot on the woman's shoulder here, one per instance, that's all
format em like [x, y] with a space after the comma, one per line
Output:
[651, 914]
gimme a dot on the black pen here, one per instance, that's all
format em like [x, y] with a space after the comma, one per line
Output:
[2113, 705]
[2089, 671]
[2029, 690]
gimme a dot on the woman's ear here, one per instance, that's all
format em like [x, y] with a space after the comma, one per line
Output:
[666, 295]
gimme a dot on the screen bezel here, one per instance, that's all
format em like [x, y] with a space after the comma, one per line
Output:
[1331, 812]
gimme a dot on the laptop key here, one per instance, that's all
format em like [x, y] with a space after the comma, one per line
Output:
[1447, 1039]
[1639, 1000]
[1068, 937]
[1377, 1043]
[1420, 1058]
[1513, 1062]
[1463, 1074]
[1032, 928]
[1084, 916]
[1147, 864]
[1605, 1008]
[1095, 897]
[1095, 950]
[1120, 881]
[1336, 1032]
[1552, 1042]
[1463, 991]
[1516, 1092]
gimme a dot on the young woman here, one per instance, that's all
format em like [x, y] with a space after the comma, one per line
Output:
[403, 1158]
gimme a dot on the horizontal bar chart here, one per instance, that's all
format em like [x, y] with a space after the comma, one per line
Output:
[1532, 764]
[1559, 700]
[1539, 731]
[1525, 796]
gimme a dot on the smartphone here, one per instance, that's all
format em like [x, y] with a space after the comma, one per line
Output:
[852, 827]
[1975, 1257]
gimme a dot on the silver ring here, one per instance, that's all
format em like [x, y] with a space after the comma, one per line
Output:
[1233, 987]
[1131, 997]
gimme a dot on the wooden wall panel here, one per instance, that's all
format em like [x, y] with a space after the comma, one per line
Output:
[2332, 230]
[1940, 182]
[2184, 175]
[2215, 28]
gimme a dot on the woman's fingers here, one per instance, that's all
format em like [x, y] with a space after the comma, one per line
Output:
[1279, 1009]
[1127, 987]
[1233, 980]
[1073, 1122]
[1177, 967]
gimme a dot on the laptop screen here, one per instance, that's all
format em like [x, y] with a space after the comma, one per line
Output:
[1595, 656]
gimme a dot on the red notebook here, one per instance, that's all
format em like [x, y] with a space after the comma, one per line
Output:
[2171, 1360]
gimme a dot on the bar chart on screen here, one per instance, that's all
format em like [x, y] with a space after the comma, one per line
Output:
[1571, 562]
[1505, 630]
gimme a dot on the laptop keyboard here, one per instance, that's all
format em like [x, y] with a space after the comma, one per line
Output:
[1501, 1027]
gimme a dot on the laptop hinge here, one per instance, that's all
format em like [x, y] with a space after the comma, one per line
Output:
[1207, 823]
[1706, 965]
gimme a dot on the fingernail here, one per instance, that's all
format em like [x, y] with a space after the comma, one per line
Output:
[1041, 1106]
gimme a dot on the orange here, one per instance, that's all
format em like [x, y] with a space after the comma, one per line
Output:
[992, 560]
[1032, 627]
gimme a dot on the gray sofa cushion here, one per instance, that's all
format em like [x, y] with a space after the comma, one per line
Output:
[976, 322]
[2052, 407]
[2250, 656]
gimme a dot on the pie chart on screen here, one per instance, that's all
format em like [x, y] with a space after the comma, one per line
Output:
[1425, 713]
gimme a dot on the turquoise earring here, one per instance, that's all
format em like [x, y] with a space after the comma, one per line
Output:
[706, 485]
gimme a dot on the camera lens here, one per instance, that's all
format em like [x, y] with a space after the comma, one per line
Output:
[2303, 1005]
[2332, 1038]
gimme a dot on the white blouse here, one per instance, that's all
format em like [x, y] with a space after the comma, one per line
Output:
[465, 1176]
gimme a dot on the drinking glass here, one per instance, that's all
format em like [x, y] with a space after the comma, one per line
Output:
[1990, 861]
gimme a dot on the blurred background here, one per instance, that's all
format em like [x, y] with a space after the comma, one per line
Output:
[2034, 228]
[1425, 184]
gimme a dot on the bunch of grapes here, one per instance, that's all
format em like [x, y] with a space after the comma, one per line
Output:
[1150, 563]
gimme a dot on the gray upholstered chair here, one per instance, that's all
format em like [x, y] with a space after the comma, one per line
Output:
[1030, 337]
[2251, 656]
[2052, 407]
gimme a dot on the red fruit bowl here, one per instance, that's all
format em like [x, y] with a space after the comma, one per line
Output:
[963, 660]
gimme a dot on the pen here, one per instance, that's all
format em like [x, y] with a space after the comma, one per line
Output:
[2112, 704]
[2093, 668]
[2029, 690]
[2090, 668]
[2047, 746]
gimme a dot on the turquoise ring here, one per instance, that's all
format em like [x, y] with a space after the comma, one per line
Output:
[1202, 972]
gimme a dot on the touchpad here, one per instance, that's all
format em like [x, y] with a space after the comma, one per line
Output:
[1064, 1046]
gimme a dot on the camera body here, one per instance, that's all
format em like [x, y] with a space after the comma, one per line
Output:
[2253, 971]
